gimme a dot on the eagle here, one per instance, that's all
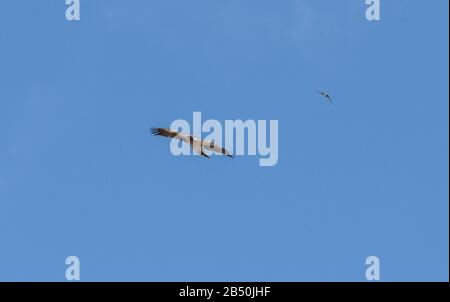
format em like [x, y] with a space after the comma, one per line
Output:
[197, 144]
[325, 95]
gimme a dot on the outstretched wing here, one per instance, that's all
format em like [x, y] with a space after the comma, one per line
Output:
[170, 133]
[208, 145]
[197, 145]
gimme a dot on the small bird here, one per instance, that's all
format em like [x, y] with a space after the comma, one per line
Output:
[326, 95]
[197, 144]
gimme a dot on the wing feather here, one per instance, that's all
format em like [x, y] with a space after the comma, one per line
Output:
[170, 133]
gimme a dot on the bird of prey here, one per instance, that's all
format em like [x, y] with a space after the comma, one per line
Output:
[198, 145]
[325, 95]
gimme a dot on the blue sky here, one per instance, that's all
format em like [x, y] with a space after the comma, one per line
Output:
[81, 175]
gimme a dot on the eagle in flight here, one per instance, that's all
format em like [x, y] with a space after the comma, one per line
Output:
[197, 144]
[325, 95]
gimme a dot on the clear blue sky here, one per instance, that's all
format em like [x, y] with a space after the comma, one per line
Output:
[81, 175]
